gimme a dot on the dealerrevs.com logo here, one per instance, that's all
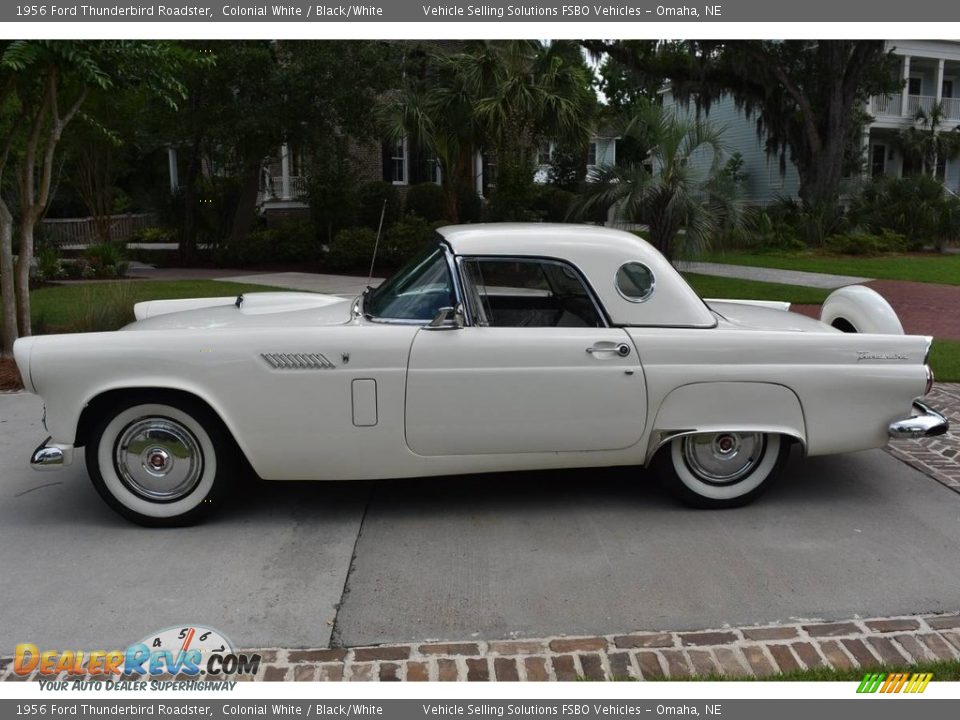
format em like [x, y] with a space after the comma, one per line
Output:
[189, 654]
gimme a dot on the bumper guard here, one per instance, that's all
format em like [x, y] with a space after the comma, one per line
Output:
[927, 423]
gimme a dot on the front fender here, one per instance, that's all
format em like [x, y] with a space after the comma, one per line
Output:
[727, 406]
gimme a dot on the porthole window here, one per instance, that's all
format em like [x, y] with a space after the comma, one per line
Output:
[635, 282]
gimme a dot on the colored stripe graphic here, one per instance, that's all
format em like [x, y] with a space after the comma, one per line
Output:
[894, 682]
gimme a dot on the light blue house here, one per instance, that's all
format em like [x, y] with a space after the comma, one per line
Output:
[931, 75]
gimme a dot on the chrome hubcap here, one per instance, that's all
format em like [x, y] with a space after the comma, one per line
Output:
[158, 459]
[722, 458]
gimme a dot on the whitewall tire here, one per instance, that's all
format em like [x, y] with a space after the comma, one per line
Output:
[718, 470]
[159, 463]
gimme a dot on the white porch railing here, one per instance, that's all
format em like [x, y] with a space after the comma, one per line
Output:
[273, 189]
[951, 108]
[885, 104]
[916, 103]
[83, 231]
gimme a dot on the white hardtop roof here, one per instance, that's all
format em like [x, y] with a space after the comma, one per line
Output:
[598, 252]
[542, 239]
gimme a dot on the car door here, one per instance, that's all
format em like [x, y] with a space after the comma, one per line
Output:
[535, 370]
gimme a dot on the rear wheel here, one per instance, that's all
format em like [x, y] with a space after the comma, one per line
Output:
[720, 470]
[160, 464]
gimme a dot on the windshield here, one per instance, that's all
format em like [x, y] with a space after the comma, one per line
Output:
[416, 292]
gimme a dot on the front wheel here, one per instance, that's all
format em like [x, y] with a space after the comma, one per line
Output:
[721, 470]
[159, 464]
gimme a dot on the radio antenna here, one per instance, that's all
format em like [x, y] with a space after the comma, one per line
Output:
[376, 244]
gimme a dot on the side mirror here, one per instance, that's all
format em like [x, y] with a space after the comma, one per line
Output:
[447, 318]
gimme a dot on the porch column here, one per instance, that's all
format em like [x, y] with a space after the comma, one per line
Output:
[284, 172]
[867, 153]
[904, 103]
[172, 169]
[478, 172]
[940, 63]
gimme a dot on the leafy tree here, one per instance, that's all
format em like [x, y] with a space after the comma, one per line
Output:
[805, 95]
[43, 86]
[681, 203]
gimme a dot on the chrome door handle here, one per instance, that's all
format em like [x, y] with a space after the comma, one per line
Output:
[621, 349]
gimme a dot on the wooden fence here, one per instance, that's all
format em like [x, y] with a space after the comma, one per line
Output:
[83, 231]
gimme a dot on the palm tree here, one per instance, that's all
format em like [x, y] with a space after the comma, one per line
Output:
[924, 141]
[526, 92]
[506, 95]
[680, 191]
[436, 113]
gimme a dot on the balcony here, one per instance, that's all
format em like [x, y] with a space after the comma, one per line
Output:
[271, 189]
[890, 106]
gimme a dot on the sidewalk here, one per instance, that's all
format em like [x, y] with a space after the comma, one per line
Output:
[784, 277]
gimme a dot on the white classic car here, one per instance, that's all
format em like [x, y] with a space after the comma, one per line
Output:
[498, 348]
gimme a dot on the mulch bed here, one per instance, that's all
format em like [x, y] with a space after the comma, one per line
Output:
[9, 375]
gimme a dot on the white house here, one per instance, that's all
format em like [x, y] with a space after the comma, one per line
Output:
[931, 74]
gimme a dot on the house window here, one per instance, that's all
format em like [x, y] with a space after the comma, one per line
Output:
[489, 177]
[432, 169]
[948, 88]
[398, 162]
[592, 154]
[914, 85]
[878, 160]
[544, 153]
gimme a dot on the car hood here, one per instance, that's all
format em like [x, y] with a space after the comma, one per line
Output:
[267, 309]
[769, 316]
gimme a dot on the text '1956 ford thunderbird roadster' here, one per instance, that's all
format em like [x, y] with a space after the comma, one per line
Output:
[499, 347]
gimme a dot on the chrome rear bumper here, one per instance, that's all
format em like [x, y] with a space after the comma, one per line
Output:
[927, 423]
[51, 456]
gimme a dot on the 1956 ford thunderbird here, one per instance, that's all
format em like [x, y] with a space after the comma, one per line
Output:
[499, 347]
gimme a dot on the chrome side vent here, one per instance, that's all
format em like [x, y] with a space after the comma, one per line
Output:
[297, 361]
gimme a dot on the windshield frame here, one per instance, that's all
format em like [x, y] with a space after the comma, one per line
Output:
[452, 273]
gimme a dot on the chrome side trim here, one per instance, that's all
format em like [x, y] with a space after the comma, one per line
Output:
[47, 457]
[297, 361]
[928, 423]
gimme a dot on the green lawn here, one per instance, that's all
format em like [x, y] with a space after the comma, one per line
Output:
[945, 360]
[943, 269]
[61, 306]
[719, 287]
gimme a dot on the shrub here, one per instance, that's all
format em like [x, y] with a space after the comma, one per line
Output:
[862, 243]
[292, 242]
[352, 248]
[154, 235]
[406, 237]
[371, 197]
[915, 207]
[106, 260]
[296, 241]
[254, 249]
[552, 204]
[105, 308]
[427, 201]
[49, 266]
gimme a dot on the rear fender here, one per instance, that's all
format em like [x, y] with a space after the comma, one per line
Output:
[727, 407]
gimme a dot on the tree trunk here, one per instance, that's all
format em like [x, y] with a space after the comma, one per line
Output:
[8, 327]
[22, 276]
[246, 209]
[191, 202]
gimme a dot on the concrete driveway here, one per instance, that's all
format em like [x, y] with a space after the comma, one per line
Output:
[514, 555]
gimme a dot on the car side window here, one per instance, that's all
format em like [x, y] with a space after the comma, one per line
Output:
[527, 292]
